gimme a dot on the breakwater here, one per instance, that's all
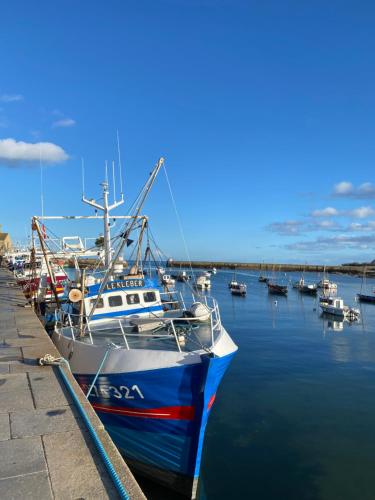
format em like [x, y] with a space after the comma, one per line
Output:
[257, 266]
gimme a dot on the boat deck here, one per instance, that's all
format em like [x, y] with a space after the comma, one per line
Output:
[155, 334]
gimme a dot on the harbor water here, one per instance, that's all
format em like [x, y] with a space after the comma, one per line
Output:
[294, 416]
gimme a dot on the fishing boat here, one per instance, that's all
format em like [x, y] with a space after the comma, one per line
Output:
[276, 289]
[182, 277]
[165, 279]
[150, 364]
[305, 288]
[309, 289]
[202, 282]
[336, 307]
[238, 289]
[298, 284]
[325, 284]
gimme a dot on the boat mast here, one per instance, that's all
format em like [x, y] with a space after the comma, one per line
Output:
[106, 209]
[125, 235]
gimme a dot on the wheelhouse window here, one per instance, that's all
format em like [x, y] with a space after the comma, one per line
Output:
[115, 301]
[98, 305]
[132, 298]
[149, 297]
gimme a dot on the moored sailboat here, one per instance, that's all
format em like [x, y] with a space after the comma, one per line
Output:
[365, 297]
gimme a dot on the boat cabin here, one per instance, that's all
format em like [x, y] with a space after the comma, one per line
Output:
[129, 298]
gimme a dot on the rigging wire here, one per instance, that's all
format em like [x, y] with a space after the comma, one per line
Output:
[179, 223]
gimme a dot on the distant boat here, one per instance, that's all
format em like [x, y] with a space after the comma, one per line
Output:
[202, 282]
[165, 279]
[261, 278]
[233, 282]
[277, 289]
[298, 284]
[238, 289]
[309, 289]
[366, 298]
[326, 284]
[306, 288]
[363, 297]
[336, 307]
[182, 277]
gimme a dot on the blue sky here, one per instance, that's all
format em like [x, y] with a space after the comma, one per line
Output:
[264, 111]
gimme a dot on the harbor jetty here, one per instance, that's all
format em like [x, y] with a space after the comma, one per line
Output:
[48, 447]
[256, 266]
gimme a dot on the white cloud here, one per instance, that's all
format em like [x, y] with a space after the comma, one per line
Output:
[357, 226]
[11, 97]
[287, 228]
[361, 212]
[325, 224]
[347, 190]
[15, 153]
[333, 243]
[326, 212]
[343, 188]
[366, 190]
[64, 122]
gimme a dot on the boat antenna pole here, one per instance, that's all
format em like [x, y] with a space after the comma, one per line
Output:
[83, 176]
[125, 235]
[119, 162]
[106, 209]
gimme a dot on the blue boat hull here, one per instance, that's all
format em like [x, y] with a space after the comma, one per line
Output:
[157, 418]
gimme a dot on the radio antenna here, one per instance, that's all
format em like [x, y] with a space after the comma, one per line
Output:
[114, 181]
[106, 171]
[83, 176]
[119, 163]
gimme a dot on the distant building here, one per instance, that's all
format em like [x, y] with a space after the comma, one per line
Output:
[5, 242]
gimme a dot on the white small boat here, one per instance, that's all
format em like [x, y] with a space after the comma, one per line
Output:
[326, 284]
[238, 289]
[336, 307]
[203, 283]
[298, 284]
[183, 277]
[167, 280]
[232, 283]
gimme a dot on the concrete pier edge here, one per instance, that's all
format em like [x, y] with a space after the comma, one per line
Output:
[46, 451]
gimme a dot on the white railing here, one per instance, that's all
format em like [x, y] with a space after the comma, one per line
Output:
[78, 329]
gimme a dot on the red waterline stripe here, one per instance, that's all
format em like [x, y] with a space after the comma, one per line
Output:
[165, 412]
[211, 401]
